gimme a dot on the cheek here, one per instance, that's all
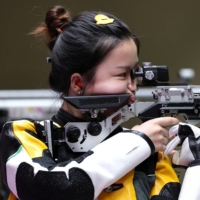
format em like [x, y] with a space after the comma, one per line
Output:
[108, 87]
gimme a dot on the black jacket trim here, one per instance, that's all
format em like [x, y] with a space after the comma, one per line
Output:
[145, 137]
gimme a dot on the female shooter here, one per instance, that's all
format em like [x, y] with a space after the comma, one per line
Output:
[93, 53]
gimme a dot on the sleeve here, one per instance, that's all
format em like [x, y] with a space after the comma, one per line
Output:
[191, 184]
[30, 173]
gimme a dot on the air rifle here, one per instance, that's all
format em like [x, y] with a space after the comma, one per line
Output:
[170, 99]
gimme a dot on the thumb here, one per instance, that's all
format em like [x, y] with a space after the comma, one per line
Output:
[172, 153]
[175, 157]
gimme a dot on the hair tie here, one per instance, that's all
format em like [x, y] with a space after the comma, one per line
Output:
[58, 30]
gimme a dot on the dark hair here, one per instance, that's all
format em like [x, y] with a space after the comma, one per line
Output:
[81, 46]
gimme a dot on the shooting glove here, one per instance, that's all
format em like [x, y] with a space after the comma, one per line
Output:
[188, 136]
[189, 156]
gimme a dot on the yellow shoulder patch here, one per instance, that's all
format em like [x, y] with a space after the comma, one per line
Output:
[32, 145]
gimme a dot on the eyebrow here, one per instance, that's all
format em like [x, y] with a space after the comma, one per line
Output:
[128, 66]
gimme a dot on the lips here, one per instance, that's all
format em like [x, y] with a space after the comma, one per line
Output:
[132, 99]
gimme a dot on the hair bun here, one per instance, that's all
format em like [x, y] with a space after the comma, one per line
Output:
[57, 18]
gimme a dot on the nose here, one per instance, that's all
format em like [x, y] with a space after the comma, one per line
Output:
[132, 86]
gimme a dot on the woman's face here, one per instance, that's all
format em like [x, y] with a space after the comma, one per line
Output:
[113, 74]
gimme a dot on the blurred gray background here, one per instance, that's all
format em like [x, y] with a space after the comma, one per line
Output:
[169, 32]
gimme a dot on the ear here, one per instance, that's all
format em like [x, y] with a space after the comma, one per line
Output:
[76, 82]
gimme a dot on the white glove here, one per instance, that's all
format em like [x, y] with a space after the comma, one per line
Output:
[188, 136]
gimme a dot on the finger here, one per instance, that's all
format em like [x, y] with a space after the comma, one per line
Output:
[164, 141]
[160, 147]
[172, 152]
[163, 147]
[166, 121]
[165, 133]
[176, 157]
